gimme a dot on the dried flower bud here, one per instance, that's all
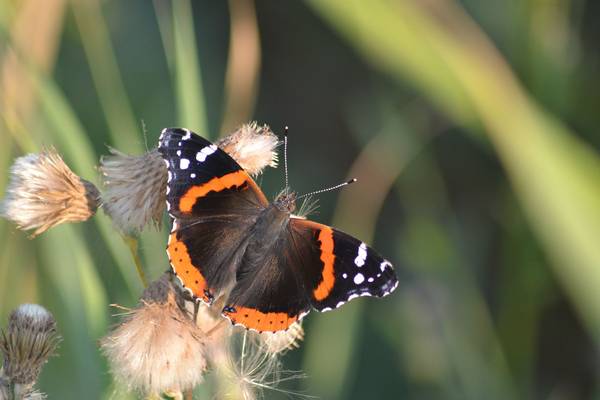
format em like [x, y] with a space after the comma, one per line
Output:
[157, 348]
[135, 189]
[43, 192]
[282, 341]
[30, 339]
[252, 146]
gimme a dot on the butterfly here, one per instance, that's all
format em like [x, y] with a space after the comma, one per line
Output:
[275, 267]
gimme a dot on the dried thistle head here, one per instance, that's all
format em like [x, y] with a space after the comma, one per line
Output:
[252, 146]
[134, 189]
[157, 348]
[29, 340]
[7, 393]
[43, 192]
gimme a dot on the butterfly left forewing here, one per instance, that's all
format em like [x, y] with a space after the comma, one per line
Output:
[203, 180]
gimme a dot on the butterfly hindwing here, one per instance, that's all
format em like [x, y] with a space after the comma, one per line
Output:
[270, 291]
[214, 202]
[269, 294]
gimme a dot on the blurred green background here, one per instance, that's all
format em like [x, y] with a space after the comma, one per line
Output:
[471, 126]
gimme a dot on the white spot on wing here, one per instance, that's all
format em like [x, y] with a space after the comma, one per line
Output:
[179, 153]
[184, 163]
[205, 152]
[359, 278]
[370, 279]
[169, 176]
[188, 135]
[362, 255]
[384, 265]
[192, 175]
[345, 275]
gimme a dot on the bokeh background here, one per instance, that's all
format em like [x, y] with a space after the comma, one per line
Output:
[471, 126]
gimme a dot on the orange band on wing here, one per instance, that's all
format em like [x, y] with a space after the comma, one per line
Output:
[190, 276]
[228, 181]
[251, 318]
[328, 259]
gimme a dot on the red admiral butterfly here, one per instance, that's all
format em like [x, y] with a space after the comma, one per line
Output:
[226, 236]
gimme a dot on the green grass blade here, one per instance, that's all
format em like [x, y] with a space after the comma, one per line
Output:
[189, 93]
[124, 130]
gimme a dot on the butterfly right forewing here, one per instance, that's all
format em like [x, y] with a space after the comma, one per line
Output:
[346, 268]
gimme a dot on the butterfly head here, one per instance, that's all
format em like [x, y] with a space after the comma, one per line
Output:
[286, 201]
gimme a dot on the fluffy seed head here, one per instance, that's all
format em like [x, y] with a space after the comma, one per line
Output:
[252, 368]
[30, 339]
[135, 189]
[43, 192]
[157, 348]
[252, 146]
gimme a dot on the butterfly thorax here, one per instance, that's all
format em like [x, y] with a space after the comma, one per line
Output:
[274, 219]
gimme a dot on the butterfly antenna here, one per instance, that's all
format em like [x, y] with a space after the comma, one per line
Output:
[329, 188]
[285, 165]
